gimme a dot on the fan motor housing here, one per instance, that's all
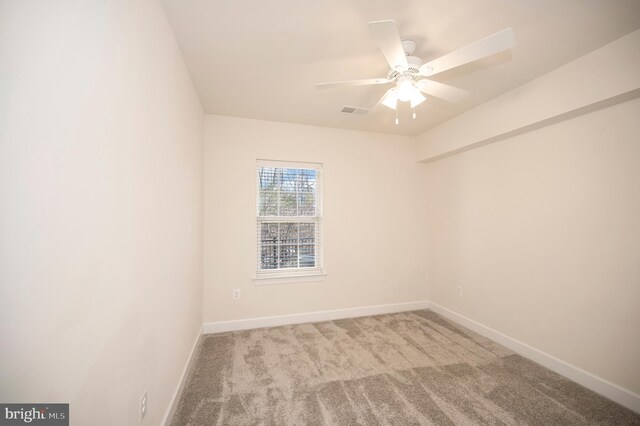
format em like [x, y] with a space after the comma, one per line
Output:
[414, 63]
[412, 71]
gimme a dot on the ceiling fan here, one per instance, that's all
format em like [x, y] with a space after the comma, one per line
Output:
[407, 72]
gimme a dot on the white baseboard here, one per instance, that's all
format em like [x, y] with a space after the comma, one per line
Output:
[597, 384]
[175, 399]
[274, 321]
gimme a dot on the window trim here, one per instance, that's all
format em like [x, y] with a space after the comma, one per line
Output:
[289, 278]
[292, 275]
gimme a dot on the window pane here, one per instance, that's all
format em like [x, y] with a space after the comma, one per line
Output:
[269, 233]
[289, 180]
[306, 204]
[269, 178]
[307, 256]
[288, 233]
[268, 203]
[307, 181]
[307, 233]
[288, 204]
[269, 257]
[288, 256]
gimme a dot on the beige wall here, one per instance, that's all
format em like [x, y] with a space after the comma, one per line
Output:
[542, 232]
[100, 208]
[372, 218]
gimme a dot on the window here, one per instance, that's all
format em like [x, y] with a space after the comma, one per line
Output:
[289, 206]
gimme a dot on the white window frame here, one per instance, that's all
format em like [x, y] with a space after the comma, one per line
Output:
[291, 275]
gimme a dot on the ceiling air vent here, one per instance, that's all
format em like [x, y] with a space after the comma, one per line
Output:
[354, 110]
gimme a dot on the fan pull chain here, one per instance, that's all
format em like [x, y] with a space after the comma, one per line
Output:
[414, 113]
[396, 116]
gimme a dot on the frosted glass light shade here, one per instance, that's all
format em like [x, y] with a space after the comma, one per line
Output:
[417, 98]
[390, 99]
[406, 89]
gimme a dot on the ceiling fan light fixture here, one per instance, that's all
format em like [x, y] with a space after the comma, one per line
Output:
[390, 99]
[406, 89]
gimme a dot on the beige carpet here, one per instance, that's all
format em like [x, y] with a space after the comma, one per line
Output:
[413, 368]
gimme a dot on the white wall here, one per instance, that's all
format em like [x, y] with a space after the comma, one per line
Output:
[604, 76]
[100, 208]
[372, 218]
[542, 232]
[536, 216]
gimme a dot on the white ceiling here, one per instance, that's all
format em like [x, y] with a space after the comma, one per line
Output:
[261, 58]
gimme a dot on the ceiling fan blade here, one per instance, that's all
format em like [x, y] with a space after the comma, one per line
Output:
[502, 40]
[385, 33]
[442, 91]
[365, 82]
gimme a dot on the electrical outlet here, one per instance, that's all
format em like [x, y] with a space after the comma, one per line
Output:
[459, 288]
[236, 293]
[143, 405]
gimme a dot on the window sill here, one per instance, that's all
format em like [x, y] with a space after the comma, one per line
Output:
[290, 278]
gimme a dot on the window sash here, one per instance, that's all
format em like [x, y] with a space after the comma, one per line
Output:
[298, 248]
[298, 244]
